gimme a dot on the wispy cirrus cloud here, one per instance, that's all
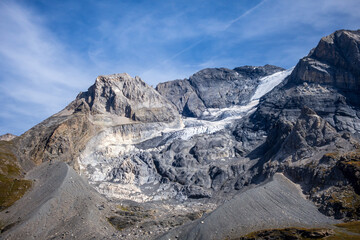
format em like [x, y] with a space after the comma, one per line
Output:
[37, 71]
[291, 16]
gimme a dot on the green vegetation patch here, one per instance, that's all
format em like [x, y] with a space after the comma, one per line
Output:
[127, 216]
[120, 222]
[346, 198]
[12, 184]
[11, 190]
[350, 226]
[346, 231]
[289, 233]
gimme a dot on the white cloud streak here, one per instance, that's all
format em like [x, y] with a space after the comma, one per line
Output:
[38, 69]
[287, 15]
[39, 76]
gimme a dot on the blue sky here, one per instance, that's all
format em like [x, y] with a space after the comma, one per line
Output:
[52, 50]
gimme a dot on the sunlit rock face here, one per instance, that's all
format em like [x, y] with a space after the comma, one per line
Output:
[335, 61]
[122, 95]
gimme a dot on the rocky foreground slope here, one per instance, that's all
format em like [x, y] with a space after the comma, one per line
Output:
[278, 202]
[60, 205]
[164, 157]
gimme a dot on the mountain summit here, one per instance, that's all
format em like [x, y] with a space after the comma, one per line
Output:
[122, 95]
[335, 62]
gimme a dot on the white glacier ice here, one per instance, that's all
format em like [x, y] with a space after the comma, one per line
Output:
[269, 82]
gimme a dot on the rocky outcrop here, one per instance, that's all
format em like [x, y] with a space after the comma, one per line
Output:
[335, 61]
[349, 164]
[214, 88]
[311, 115]
[57, 138]
[121, 95]
[331, 182]
[310, 133]
[183, 96]
[220, 88]
[201, 166]
[257, 72]
[7, 137]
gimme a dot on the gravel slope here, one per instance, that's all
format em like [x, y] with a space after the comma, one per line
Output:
[60, 205]
[278, 203]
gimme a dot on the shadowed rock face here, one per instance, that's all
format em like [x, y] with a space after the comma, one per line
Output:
[214, 88]
[309, 132]
[183, 96]
[221, 87]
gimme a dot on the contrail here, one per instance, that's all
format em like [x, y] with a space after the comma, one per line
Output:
[244, 14]
[184, 50]
[228, 25]
[225, 28]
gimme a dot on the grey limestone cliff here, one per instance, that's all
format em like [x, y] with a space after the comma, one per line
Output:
[214, 88]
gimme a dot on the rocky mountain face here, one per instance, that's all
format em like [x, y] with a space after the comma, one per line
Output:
[312, 121]
[214, 88]
[123, 96]
[253, 143]
[335, 62]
